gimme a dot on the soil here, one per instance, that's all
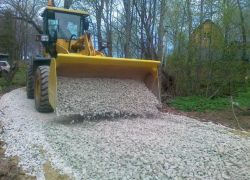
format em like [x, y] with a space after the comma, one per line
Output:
[9, 169]
[224, 117]
[53, 174]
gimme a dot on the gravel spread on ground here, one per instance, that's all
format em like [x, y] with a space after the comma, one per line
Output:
[91, 97]
[166, 147]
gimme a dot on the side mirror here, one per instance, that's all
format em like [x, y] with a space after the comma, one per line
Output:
[85, 25]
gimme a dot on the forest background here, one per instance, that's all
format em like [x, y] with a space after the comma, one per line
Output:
[203, 45]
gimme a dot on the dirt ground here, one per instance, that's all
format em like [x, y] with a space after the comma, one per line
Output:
[225, 117]
[9, 169]
[8, 166]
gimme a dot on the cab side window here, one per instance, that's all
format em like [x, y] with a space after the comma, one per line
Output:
[52, 28]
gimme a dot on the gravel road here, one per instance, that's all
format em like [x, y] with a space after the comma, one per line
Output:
[167, 147]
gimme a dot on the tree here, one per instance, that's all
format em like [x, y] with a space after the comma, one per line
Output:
[161, 30]
[99, 6]
[189, 55]
[127, 7]
[109, 11]
[158, 30]
[67, 3]
[8, 42]
[243, 31]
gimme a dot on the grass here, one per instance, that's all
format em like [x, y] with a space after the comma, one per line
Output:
[18, 81]
[195, 103]
[243, 99]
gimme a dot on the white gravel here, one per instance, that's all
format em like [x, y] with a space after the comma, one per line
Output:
[104, 97]
[169, 147]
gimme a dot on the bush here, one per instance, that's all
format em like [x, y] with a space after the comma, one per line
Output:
[195, 103]
[200, 104]
[208, 79]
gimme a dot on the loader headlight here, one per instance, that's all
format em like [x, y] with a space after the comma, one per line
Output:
[42, 38]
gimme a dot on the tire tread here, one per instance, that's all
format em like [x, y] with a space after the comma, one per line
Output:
[29, 83]
[42, 103]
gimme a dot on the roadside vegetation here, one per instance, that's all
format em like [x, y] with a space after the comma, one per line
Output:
[213, 87]
[200, 104]
[19, 79]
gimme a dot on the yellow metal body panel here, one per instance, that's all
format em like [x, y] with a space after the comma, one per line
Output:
[61, 49]
[53, 84]
[62, 45]
[75, 65]
[98, 60]
[89, 47]
[66, 10]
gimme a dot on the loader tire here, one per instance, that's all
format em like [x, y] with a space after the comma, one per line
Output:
[29, 83]
[41, 89]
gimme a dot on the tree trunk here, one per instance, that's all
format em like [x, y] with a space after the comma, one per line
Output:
[189, 58]
[243, 32]
[161, 31]
[141, 31]
[67, 3]
[180, 33]
[199, 59]
[53, 3]
[108, 24]
[127, 6]
[225, 2]
[99, 11]
[151, 37]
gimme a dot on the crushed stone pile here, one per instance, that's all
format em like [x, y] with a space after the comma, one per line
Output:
[92, 97]
[166, 147]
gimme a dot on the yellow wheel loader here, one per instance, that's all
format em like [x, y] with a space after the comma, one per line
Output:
[68, 51]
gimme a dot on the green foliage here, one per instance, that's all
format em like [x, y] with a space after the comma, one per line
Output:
[195, 103]
[18, 81]
[8, 40]
[209, 65]
[243, 98]
[20, 77]
[200, 104]
[208, 77]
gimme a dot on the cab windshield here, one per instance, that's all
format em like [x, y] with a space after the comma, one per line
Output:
[64, 26]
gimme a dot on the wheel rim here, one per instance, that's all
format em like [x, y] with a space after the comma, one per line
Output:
[38, 89]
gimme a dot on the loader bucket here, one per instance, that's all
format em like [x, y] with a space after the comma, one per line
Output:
[80, 66]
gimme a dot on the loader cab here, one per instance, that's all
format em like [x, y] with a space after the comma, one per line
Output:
[63, 24]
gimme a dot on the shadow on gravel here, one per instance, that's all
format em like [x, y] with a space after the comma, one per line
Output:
[77, 119]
